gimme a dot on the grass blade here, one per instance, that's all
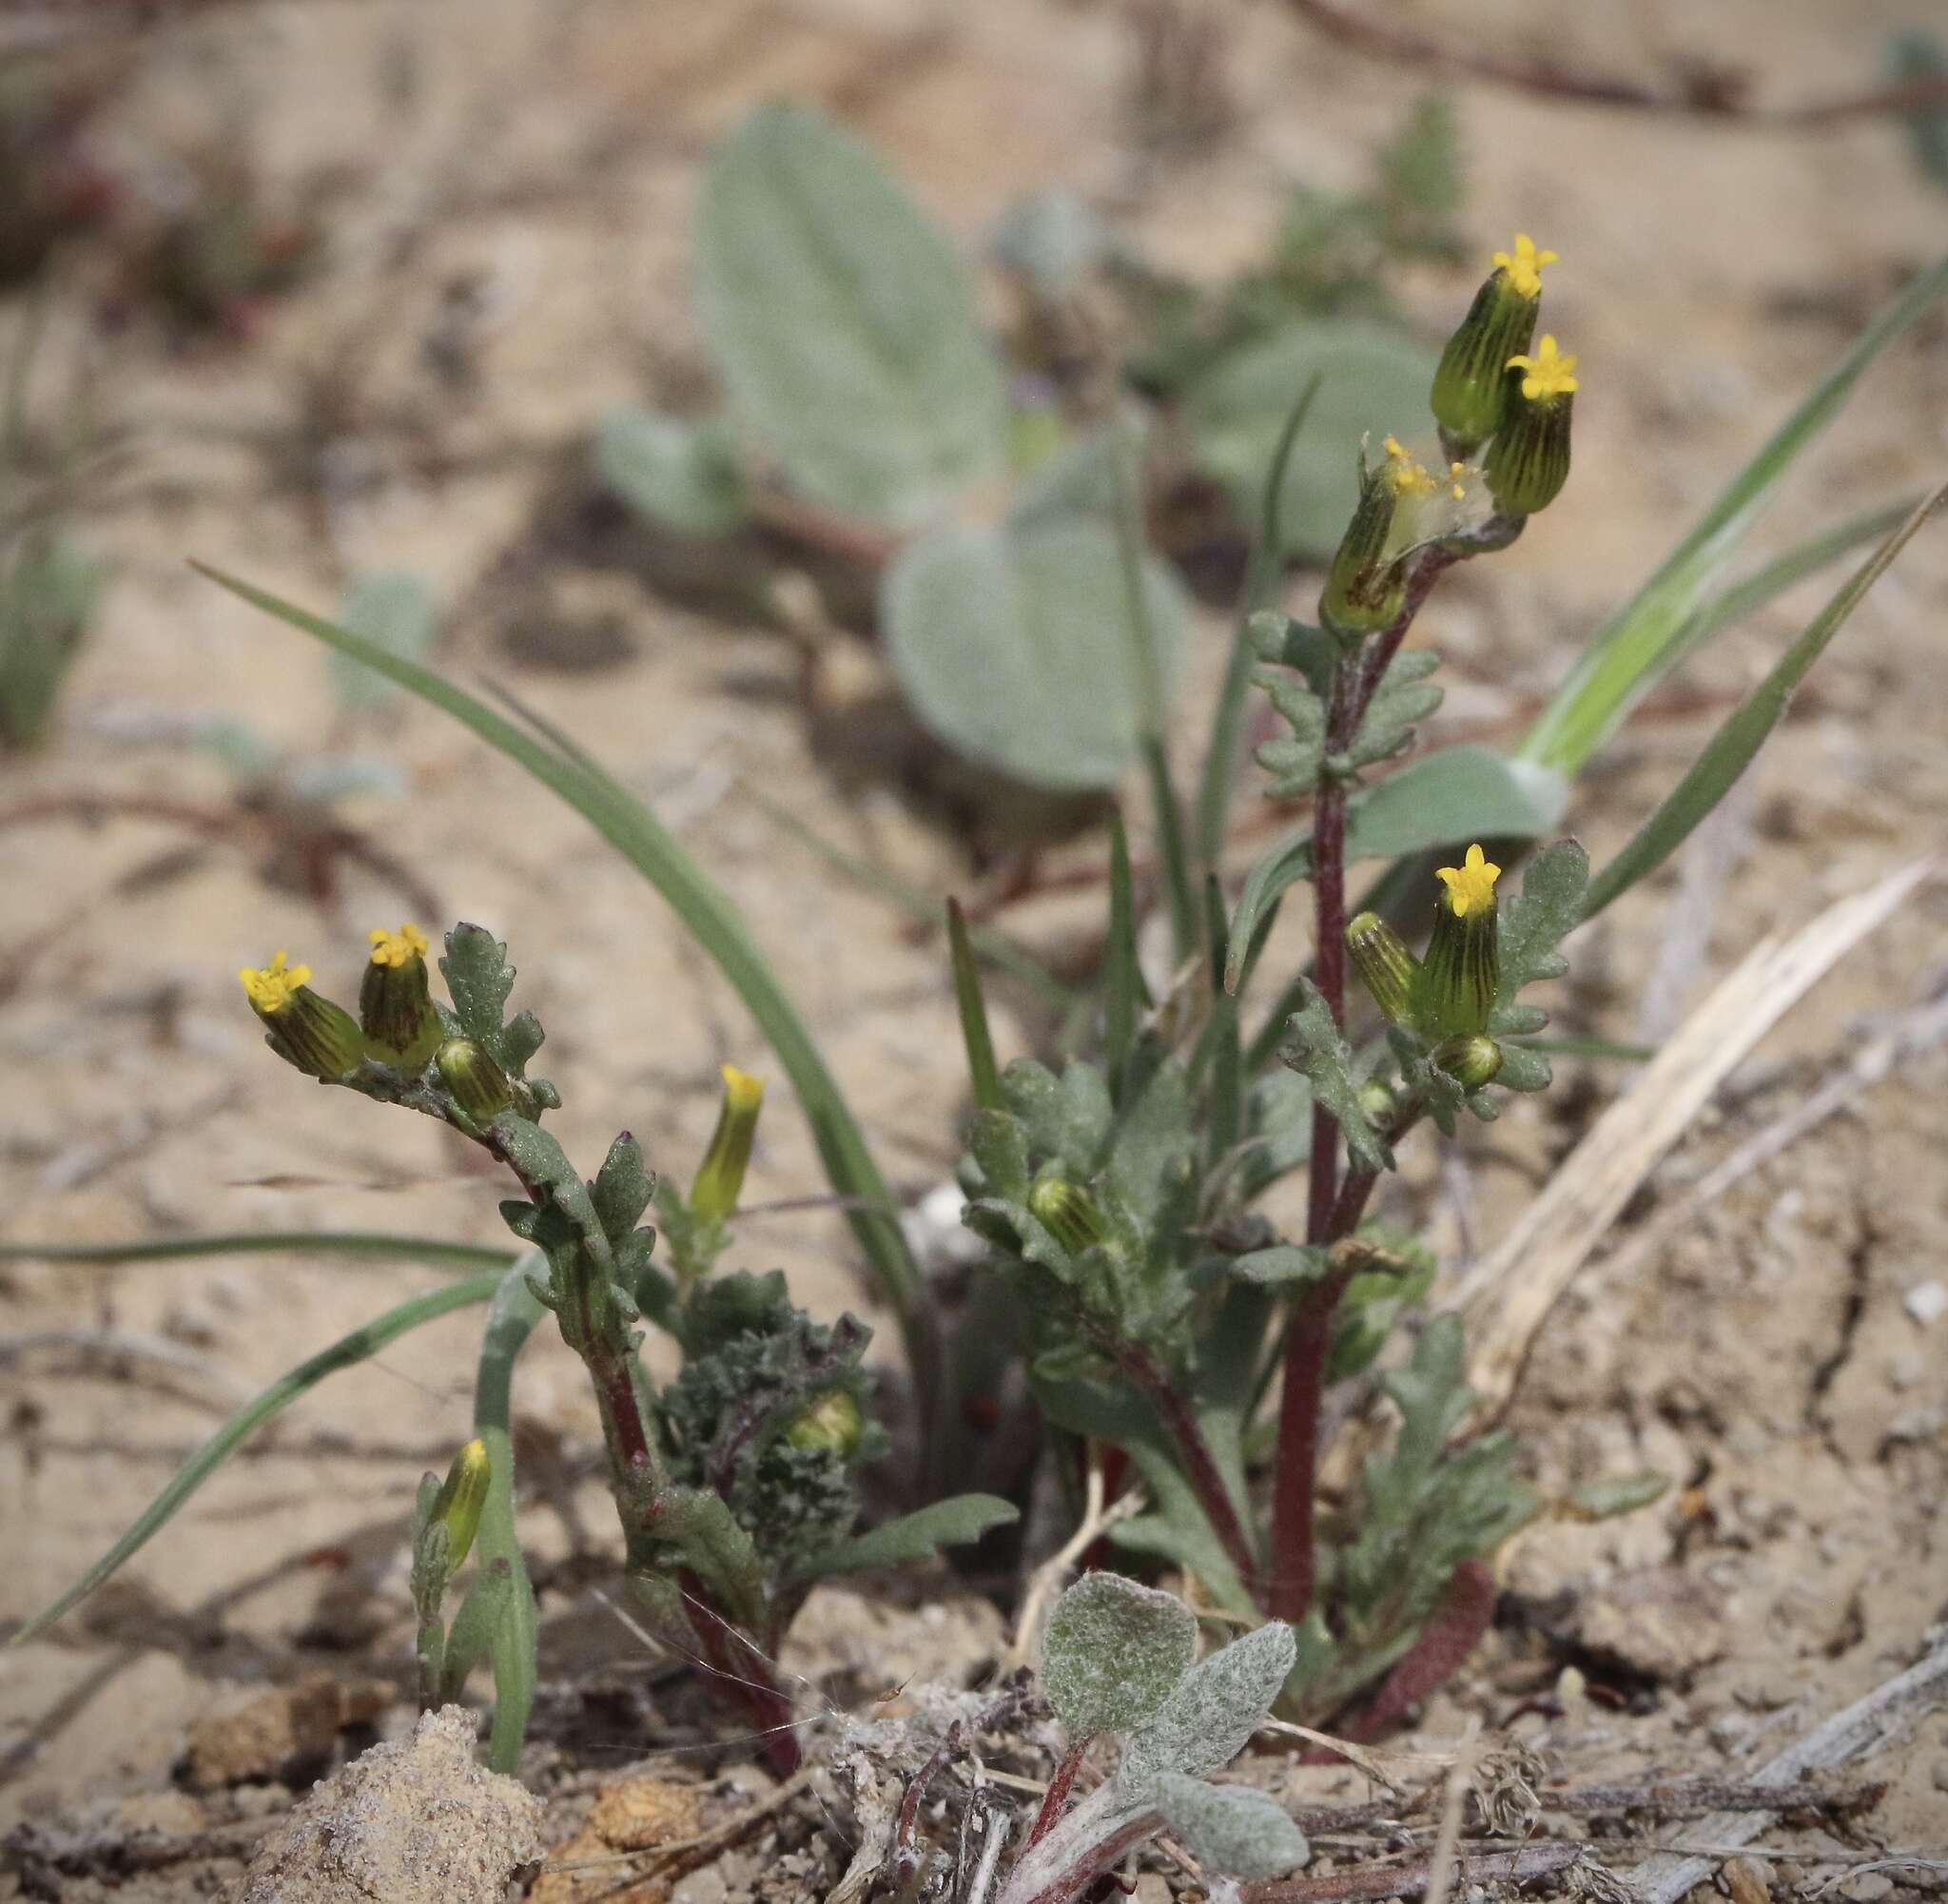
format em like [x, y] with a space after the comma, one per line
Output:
[709, 915]
[374, 1243]
[981, 1068]
[1261, 569]
[510, 1322]
[1121, 979]
[360, 1345]
[1640, 646]
[1731, 749]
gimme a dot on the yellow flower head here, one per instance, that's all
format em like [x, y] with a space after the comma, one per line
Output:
[397, 948]
[1524, 265]
[742, 1092]
[272, 989]
[1550, 373]
[1471, 884]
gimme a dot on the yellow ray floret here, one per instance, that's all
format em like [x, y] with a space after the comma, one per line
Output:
[1524, 265]
[1471, 884]
[742, 1092]
[396, 948]
[273, 987]
[1550, 373]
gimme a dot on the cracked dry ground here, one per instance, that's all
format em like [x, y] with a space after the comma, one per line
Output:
[1777, 1358]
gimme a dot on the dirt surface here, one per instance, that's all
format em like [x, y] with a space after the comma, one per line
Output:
[1783, 1359]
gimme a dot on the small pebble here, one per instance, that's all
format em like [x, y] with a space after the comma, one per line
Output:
[1927, 1302]
[1869, 1887]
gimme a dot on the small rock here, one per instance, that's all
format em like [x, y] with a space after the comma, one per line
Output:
[1927, 1303]
[630, 1815]
[1662, 1621]
[1744, 1882]
[416, 1821]
[166, 1814]
[280, 1730]
[1868, 1888]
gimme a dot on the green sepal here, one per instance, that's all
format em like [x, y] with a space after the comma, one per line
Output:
[1471, 391]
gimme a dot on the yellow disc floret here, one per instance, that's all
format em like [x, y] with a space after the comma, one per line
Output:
[1548, 373]
[1471, 884]
[1408, 477]
[396, 948]
[1524, 265]
[272, 989]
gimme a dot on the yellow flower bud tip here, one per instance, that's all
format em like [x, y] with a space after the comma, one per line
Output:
[395, 949]
[461, 1497]
[272, 987]
[1524, 265]
[743, 1093]
[1471, 884]
[1548, 373]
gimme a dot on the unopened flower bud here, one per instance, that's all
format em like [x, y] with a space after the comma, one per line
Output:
[1385, 965]
[720, 1177]
[832, 1421]
[1068, 1212]
[1529, 461]
[1377, 1102]
[320, 1037]
[1366, 587]
[395, 1002]
[473, 1081]
[462, 1496]
[1455, 991]
[1470, 1061]
[1470, 393]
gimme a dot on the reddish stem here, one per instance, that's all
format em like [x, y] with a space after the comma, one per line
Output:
[729, 1656]
[1055, 1801]
[1452, 1631]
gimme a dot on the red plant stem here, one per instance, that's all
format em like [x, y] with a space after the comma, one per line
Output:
[1055, 1801]
[1097, 1860]
[1180, 1423]
[1329, 1213]
[734, 1661]
[1452, 1631]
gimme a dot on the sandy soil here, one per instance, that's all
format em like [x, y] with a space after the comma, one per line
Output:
[1776, 1359]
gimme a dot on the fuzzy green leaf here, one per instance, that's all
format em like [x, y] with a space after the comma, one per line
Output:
[1460, 794]
[957, 1522]
[1529, 928]
[1293, 764]
[1315, 1048]
[844, 324]
[1232, 1830]
[1616, 1494]
[1283, 1265]
[480, 981]
[396, 610]
[681, 475]
[1112, 1652]
[1373, 379]
[1404, 697]
[1210, 1717]
[1014, 646]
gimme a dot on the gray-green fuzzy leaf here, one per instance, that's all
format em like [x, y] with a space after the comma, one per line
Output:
[1212, 1712]
[844, 324]
[953, 1523]
[1372, 381]
[1112, 1652]
[1231, 1828]
[1460, 794]
[1404, 696]
[681, 475]
[1315, 1048]
[397, 611]
[1014, 646]
[1530, 928]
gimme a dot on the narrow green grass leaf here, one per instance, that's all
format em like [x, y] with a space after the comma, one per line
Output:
[510, 1322]
[1120, 977]
[709, 915]
[1641, 643]
[374, 1243]
[1731, 749]
[982, 1070]
[360, 1345]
